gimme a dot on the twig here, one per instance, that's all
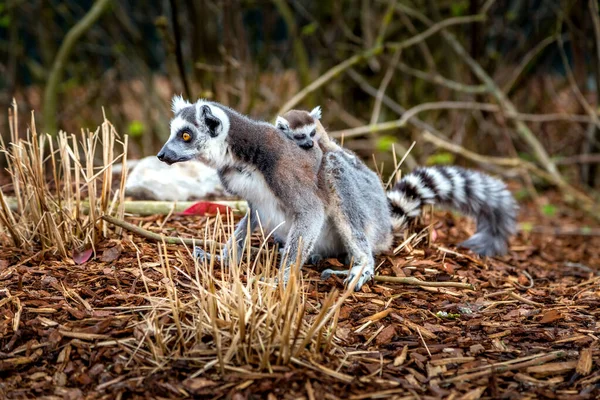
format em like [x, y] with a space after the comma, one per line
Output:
[579, 159]
[156, 236]
[456, 105]
[144, 208]
[378, 49]
[525, 62]
[503, 367]
[424, 343]
[54, 78]
[417, 282]
[440, 80]
[524, 300]
[560, 231]
[384, 84]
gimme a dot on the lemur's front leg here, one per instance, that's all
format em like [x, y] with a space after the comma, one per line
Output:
[306, 229]
[239, 235]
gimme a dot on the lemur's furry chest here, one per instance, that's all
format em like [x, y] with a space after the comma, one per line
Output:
[250, 184]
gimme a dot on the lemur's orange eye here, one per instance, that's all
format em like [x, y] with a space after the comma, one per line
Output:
[186, 136]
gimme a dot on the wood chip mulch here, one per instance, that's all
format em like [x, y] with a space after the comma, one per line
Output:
[529, 330]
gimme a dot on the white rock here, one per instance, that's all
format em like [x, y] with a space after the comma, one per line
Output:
[152, 179]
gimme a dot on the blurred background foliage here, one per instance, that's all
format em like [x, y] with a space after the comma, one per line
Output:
[256, 55]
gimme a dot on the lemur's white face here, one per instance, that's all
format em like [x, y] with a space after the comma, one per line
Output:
[198, 131]
[304, 134]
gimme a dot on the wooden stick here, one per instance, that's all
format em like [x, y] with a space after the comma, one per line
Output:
[144, 208]
[418, 282]
[166, 239]
[493, 369]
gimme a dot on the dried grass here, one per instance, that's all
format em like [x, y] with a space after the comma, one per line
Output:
[230, 317]
[56, 217]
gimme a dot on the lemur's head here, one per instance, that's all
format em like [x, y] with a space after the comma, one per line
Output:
[198, 131]
[300, 126]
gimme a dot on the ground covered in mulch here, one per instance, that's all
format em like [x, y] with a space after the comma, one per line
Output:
[528, 330]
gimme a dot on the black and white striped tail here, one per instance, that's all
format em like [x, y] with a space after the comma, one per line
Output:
[471, 192]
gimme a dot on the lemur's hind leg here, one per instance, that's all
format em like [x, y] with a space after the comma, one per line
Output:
[359, 250]
[350, 216]
[306, 229]
[240, 234]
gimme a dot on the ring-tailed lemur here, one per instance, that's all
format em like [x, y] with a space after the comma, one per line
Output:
[470, 192]
[305, 129]
[342, 209]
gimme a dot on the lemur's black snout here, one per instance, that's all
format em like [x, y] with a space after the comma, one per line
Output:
[307, 145]
[166, 156]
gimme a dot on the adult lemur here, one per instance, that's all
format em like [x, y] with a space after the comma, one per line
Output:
[332, 208]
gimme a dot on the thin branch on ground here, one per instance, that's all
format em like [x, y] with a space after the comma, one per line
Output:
[498, 368]
[417, 282]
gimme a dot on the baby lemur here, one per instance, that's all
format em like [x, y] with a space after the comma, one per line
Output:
[471, 192]
[330, 204]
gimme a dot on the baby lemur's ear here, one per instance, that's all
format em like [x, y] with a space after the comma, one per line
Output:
[282, 124]
[316, 112]
[209, 119]
[178, 103]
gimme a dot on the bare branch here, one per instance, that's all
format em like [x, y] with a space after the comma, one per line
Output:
[384, 84]
[378, 49]
[443, 81]
[54, 78]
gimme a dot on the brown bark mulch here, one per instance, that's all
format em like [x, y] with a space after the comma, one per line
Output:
[528, 330]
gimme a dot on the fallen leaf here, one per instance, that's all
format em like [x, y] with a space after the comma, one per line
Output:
[206, 208]
[111, 254]
[399, 360]
[82, 257]
[550, 316]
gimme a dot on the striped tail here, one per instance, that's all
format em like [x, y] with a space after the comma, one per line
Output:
[471, 192]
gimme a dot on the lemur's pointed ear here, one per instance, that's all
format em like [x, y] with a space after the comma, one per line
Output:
[282, 124]
[210, 120]
[316, 112]
[178, 103]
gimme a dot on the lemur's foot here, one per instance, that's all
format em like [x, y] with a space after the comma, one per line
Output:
[365, 275]
[314, 259]
[202, 255]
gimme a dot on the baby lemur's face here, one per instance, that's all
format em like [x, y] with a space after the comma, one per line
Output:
[300, 126]
[198, 132]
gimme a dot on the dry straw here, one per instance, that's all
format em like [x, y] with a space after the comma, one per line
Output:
[215, 317]
[62, 187]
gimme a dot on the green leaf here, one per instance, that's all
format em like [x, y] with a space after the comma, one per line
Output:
[443, 158]
[549, 210]
[458, 8]
[310, 29]
[522, 194]
[136, 128]
[4, 21]
[385, 143]
[526, 226]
